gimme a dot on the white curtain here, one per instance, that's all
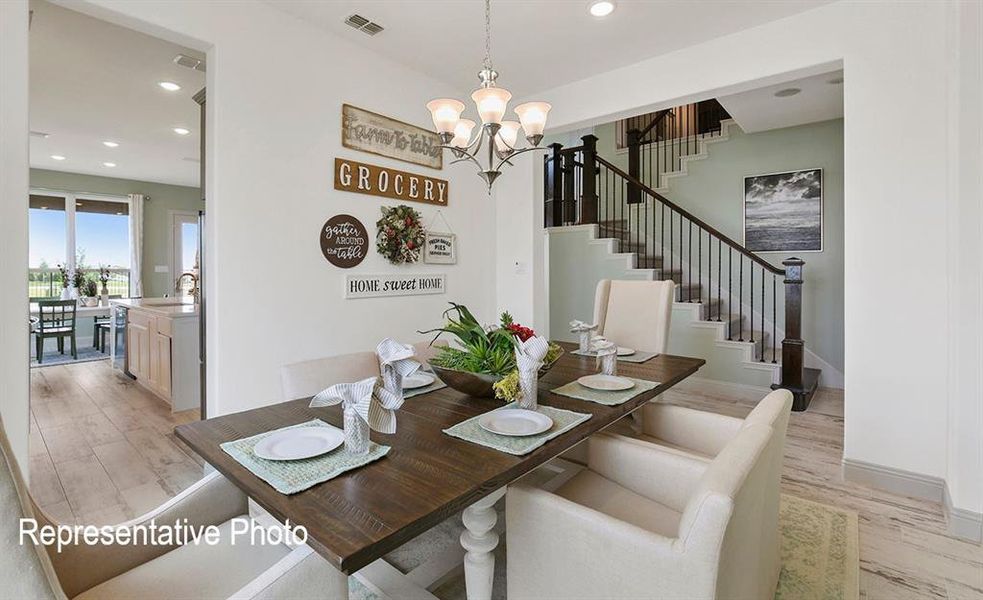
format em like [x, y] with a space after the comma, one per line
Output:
[136, 245]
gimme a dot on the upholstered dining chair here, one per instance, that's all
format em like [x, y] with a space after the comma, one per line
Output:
[642, 522]
[635, 314]
[56, 319]
[149, 572]
[304, 379]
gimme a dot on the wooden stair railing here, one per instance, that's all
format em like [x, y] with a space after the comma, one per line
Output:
[582, 187]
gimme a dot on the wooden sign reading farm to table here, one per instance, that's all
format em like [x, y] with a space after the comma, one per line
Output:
[362, 178]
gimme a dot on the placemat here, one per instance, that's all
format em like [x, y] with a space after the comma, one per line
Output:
[436, 385]
[563, 421]
[575, 390]
[292, 476]
[638, 357]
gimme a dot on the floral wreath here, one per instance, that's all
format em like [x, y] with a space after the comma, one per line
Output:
[399, 234]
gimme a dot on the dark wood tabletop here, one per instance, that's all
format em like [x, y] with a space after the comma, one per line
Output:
[428, 476]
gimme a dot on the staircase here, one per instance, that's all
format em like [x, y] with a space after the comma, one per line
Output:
[749, 307]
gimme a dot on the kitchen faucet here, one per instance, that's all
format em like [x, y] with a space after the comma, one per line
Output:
[195, 292]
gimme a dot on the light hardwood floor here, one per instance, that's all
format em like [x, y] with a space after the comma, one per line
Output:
[102, 449]
[905, 551]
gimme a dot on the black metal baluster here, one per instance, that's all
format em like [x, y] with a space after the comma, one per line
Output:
[762, 314]
[730, 290]
[720, 262]
[662, 240]
[671, 262]
[740, 299]
[751, 312]
[774, 319]
[699, 262]
[689, 264]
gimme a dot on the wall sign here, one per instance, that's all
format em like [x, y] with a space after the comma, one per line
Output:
[440, 248]
[378, 134]
[344, 241]
[363, 178]
[375, 286]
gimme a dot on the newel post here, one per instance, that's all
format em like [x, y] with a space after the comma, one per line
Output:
[793, 348]
[553, 193]
[588, 177]
[634, 165]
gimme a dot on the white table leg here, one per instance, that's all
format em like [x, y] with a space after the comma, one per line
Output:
[479, 540]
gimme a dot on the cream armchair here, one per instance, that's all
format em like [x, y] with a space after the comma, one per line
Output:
[641, 522]
[225, 570]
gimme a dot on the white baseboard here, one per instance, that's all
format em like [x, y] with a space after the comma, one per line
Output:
[962, 523]
[896, 481]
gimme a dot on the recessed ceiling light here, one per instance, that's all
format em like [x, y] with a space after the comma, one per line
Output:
[835, 81]
[787, 92]
[109, 144]
[601, 8]
[170, 86]
[109, 164]
[57, 157]
[181, 131]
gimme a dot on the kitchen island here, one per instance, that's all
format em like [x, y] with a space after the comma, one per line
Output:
[162, 348]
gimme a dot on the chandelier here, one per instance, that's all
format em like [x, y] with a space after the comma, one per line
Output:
[497, 137]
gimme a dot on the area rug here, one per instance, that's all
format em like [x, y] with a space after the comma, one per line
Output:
[820, 552]
[53, 357]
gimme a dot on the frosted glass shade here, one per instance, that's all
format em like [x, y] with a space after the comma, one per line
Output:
[533, 117]
[462, 133]
[491, 103]
[445, 113]
[505, 140]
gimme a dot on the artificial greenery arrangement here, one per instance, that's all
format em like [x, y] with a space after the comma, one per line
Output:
[488, 350]
[90, 288]
[399, 234]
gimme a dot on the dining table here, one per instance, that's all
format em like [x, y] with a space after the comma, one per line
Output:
[356, 518]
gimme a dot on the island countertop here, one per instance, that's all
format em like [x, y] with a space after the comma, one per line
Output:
[165, 307]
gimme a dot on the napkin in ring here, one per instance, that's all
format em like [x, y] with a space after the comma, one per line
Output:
[529, 357]
[607, 354]
[585, 330]
[366, 405]
[395, 363]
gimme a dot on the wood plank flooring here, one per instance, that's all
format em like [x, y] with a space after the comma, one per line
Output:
[102, 449]
[905, 551]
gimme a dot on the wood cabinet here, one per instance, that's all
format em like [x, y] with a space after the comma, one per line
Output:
[163, 355]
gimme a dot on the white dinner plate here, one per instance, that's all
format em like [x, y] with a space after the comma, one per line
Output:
[515, 422]
[418, 380]
[299, 443]
[622, 351]
[606, 383]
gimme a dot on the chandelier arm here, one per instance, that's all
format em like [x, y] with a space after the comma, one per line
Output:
[464, 156]
[508, 159]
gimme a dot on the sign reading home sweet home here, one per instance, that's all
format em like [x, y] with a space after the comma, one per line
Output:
[370, 132]
[362, 178]
[344, 241]
[375, 286]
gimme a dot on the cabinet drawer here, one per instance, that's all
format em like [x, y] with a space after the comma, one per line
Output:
[140, 319]
[164, 326]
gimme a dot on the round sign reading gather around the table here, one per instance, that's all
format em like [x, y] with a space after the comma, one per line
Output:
[344, 241]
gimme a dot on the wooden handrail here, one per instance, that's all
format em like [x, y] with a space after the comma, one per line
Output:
[695, 220]
[655, 121]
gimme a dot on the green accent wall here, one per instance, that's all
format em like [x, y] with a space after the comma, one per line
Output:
[156, 214]
[713, 191]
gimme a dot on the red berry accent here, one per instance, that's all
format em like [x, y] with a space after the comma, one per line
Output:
[522, 332]
[409, 244]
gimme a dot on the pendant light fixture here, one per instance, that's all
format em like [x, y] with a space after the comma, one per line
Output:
[496, 139]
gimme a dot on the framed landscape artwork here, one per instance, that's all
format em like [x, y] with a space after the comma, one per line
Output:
[783, 212]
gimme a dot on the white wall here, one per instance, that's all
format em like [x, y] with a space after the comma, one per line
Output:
[13, 226]
[275, 89]
[894, 58]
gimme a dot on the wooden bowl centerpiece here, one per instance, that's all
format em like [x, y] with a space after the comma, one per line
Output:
[486, 354]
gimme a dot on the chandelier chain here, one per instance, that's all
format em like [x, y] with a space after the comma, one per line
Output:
[488, 61]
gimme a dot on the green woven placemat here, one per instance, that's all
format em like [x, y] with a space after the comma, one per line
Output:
[563, 421]
[575, 390]
[638, 357]
[292, 476]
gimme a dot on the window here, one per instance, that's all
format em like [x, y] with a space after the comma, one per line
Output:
[80, 231]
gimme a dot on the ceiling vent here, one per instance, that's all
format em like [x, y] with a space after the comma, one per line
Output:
[189, 62]
[364, 25]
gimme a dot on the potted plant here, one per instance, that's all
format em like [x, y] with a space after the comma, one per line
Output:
[78, 281]
[90, 290]
[66, 281]
[104, 292]
[485, 355]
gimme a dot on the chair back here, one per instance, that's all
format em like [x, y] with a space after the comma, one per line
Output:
[634, 313]
[56, 314]
[304, 379]
[722, 522]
